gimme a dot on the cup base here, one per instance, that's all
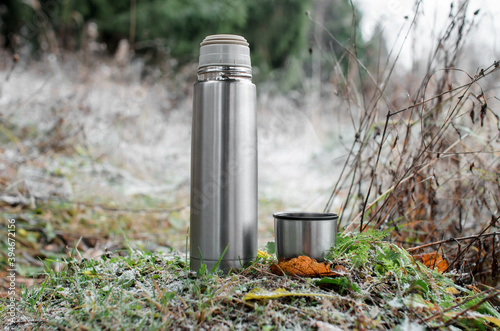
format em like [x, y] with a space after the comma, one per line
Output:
[224, 265]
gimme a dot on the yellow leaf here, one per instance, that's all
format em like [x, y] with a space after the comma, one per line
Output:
[22, 232]
[452, 290]
[263, 255]
[259, 294]
[474, 315]
[492, 319]
[89, 273]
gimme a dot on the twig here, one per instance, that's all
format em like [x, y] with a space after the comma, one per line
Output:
[456, 305]
[467, 85]
[460, 153]
[404, 178]
[374, 172]
[489, 297]
[492, 222]
[452, 240]
[15, 59]
[243, 303]
[146, 296]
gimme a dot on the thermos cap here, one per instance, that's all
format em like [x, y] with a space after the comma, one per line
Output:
[224, 50]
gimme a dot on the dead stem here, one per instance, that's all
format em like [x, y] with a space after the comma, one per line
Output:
[474, 307]
[461, 303]
[492, 223]
[452, 240]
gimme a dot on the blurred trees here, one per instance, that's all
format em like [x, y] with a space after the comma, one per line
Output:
[275, 29]
[279, 31]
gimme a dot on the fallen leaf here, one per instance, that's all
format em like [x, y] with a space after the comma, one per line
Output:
[260, 293]
[263, 255]
[475, 316]
[492, 319]
[304, 266]
[432, 260]
[452, 290]
[473, 288]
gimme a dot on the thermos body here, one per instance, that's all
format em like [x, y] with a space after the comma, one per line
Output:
[223, 173]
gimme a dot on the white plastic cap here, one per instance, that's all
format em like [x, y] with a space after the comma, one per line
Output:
[224, 50]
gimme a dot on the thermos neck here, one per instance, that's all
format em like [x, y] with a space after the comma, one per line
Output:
[224, 73]
[224, 57]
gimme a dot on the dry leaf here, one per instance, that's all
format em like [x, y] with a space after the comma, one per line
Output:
[492, 319]
[452, 290]
[475, 315]
[263, 255]
[304, 266]
[432, 260]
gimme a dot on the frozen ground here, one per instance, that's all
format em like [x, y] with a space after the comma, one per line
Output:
[106, 136]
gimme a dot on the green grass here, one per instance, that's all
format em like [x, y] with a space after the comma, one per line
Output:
[133, 289]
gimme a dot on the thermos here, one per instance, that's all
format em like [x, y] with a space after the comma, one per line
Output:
[223, 224]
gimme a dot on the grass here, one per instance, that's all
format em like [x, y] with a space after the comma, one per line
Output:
[137, 289]
[50, 229]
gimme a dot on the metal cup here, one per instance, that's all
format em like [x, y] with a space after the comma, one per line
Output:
[311, 234]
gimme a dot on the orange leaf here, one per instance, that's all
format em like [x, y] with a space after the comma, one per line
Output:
[304, 266]
[432, 260]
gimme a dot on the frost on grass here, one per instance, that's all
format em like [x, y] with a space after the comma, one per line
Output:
[383, 288]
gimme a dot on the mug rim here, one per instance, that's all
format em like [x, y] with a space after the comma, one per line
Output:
[305, 216]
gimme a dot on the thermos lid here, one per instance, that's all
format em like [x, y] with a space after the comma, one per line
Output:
[224, 50]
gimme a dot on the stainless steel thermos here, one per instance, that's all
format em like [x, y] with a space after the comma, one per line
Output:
[223, 156]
